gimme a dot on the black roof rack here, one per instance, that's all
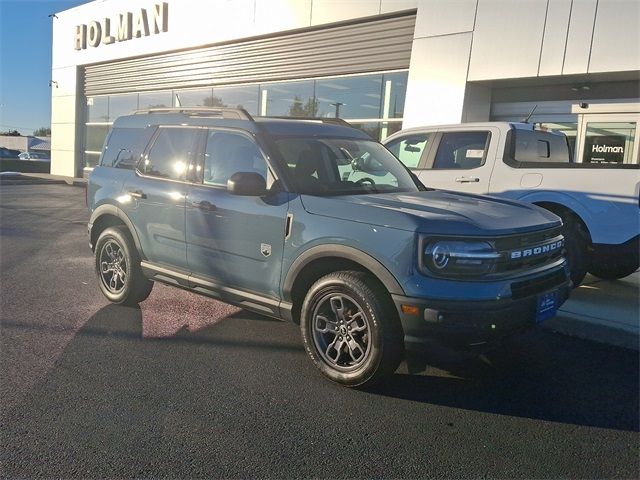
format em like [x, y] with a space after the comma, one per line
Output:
[223, 112]
[335, 121]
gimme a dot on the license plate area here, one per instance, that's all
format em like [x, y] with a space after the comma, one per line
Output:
[546, 306]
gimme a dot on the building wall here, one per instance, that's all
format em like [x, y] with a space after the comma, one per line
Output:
[456, 43]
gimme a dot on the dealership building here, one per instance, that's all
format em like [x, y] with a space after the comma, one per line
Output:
[382, 65]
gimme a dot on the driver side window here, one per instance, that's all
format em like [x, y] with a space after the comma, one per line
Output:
[227, 153]
[409, 149]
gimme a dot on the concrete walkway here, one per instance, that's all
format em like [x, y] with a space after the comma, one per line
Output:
[606, 311]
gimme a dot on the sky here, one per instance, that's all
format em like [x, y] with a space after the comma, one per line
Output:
[25, 62]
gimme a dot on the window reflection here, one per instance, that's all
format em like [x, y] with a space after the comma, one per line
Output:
[236, 97]
[292, 99]
[154, 100]
[98, 109]
[192, 98]
[353, 97]
[122, 105]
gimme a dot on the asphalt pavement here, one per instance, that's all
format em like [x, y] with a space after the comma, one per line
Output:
[185, 387]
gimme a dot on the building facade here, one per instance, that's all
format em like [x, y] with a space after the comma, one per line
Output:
[379, 64]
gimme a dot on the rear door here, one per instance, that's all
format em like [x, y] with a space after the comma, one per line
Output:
[461, 160]
[235, 241]
[155, 196]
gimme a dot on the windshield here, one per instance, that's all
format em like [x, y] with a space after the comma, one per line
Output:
[338, 166]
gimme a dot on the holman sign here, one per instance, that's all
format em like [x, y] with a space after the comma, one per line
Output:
[125, 26]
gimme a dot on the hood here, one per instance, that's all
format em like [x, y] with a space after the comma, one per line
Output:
[435, 212]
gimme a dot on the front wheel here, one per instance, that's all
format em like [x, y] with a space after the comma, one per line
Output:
[351, 330]
[576, 247]
[118, 266]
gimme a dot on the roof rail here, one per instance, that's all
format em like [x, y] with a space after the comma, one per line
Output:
[224, 112]
[334, 120]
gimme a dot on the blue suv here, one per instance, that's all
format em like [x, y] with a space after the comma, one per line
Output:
[314, 222]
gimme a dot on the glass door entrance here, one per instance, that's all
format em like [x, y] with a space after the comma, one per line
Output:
[608, 139]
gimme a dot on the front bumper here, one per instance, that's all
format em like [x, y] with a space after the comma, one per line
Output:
[461, 323]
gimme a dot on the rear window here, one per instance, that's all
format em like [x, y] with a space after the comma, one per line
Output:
[539, 147]
[124, 146]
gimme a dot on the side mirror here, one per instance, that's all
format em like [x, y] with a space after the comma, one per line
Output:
[248, 184]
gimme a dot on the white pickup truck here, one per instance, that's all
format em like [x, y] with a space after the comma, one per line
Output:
[599, 203]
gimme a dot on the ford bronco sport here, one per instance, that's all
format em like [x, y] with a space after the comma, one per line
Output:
[261, 213]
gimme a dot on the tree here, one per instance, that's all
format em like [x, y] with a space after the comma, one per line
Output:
[42, 132]
[213, 101]
[307, 109]
[11, 133]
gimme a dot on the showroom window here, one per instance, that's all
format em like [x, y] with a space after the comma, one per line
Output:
[373, 103]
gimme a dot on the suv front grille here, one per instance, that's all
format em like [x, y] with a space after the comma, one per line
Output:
[524, 252]
[541, 284]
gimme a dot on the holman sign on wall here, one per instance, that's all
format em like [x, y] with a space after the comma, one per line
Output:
[125, 26]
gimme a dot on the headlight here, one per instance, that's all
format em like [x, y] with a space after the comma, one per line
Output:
[453, 258]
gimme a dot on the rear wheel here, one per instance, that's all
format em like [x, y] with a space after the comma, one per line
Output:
[576, 246]
[118, 266]
[351, 330]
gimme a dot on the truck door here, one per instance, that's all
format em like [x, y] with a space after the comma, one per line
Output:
[461, 160]
[234, 241]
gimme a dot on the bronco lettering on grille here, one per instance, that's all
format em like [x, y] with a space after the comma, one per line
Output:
[535, 251]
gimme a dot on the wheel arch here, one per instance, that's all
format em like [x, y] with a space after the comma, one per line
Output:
[560, 209]
[106, 216]
[324, 259]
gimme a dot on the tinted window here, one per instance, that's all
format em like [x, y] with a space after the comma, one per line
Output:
[227, 153]
[171, 154]
[124, 147]
[540, 146]
[461, 150]
[409, 149]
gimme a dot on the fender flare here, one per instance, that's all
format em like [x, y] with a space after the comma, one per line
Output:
[560, 198]
[341, 251]
[109, 209]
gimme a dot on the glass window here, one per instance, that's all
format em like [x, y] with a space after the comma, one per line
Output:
[122, 105]
[125, 146]
[154, 100]
[334, 166]
[292, 99]
[97, 109]
[409, 149]
[395, 88]
[609, 142]
[172, 153]
[228, 153]
[570, 131]
[94, 137]
[91, 159]
[236, 97]
[351, 97]
[461, 150]
[192, 98]
[541, 147]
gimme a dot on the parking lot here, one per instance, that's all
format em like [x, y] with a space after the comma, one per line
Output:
[185, 386]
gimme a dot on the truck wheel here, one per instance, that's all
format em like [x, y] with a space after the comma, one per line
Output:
[118, 266]
[350, 329]
[609, 268]
[576, 246]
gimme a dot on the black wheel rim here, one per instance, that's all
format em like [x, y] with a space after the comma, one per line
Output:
[341, 332]
[113, 267]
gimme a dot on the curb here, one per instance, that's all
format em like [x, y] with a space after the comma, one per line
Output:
[41, 179]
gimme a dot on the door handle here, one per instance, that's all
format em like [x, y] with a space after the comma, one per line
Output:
[467, 179]
[204, 205]
[137, 194]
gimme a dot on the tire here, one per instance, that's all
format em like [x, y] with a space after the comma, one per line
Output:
[577, 247]
[609, 268]
[118, 267]
[351, 330]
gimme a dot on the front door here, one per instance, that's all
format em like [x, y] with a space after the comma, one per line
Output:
[462, 160]
[235, 241]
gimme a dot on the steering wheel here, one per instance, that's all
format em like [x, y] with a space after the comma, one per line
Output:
[364, 180]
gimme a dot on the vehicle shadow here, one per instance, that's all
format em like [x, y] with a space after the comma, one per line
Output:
[541, 375]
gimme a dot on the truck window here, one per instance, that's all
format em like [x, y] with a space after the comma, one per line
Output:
[536, 146]
[171, 154]
[124, 147]
[228, 153]
[409, 149]
[461, 150]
